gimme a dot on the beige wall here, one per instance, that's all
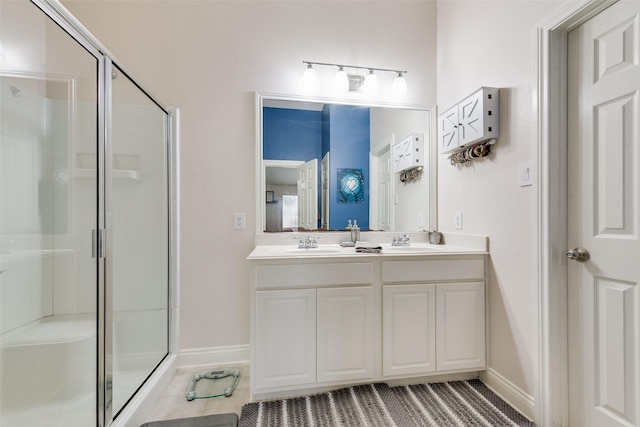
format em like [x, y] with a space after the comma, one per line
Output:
[492, 43]
[208, 58]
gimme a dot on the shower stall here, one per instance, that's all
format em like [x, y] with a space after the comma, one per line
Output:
[85, 230]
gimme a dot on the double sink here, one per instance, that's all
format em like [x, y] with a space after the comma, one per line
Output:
[328, 250]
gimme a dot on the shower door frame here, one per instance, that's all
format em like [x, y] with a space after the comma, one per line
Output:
[106, 61]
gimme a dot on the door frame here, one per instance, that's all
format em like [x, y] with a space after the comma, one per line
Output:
[550, 98]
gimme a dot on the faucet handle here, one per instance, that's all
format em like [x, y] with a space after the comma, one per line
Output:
[300, 240]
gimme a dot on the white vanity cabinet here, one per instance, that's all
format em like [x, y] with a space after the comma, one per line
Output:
[345, 333]
[312, 324]
[460, 326]
[328, 321]
[437, 324]
[408, 329]
[286, 336]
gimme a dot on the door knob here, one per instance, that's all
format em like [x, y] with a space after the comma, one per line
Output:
[578, 254]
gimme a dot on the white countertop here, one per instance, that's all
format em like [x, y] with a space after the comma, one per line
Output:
[337, 251]
[282, 246]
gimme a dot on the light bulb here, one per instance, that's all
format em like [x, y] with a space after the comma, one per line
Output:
[310, 78]
[341, 80]
[399, 85]
[371, 82]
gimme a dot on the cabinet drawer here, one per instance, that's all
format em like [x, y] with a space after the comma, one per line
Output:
[313, 275]
[433, 270]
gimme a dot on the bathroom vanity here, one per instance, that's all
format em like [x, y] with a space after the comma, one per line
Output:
[328, 316]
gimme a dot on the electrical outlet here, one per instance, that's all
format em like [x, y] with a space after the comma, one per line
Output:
[239, 222]
[457, 220]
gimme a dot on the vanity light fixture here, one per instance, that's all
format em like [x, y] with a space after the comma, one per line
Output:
[341, 80]
[371, 83]
[310, 77]
[399, 85]
[355, 82]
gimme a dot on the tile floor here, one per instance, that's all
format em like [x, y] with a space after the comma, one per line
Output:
[172, 405]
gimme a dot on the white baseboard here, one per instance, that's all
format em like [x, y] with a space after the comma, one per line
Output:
[214, 356]
[509, 392]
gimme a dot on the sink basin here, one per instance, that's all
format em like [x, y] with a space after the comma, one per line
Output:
[288, 250]
[411, 249]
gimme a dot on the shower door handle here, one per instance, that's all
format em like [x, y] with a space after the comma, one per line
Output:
[97, 243]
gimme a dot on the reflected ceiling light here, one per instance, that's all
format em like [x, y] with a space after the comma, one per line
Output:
[310, 77]
[399, 85]
[345, 82]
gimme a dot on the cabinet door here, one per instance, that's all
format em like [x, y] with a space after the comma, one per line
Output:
[460, 330]
[471, 115]
[449, 130]
[408, 329]
[345, 333]
[285, 327]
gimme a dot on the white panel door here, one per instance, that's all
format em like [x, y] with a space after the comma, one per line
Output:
[308, 195]
[604, 218]
[285, 352]
[460, 329]
[345, 333]
[408, 329]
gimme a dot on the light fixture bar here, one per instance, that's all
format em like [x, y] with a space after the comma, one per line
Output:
[354, 66]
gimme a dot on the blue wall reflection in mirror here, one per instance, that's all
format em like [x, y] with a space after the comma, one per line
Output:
[342, 130]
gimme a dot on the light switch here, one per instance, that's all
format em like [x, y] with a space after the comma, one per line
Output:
[525, 174]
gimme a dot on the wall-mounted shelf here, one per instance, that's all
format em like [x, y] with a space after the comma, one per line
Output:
[408, 153]
[474, 120]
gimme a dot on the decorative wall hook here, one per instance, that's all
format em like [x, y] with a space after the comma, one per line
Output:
[471, 153]
[411, 174]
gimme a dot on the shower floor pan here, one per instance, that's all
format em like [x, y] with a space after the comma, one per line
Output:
[218, 420]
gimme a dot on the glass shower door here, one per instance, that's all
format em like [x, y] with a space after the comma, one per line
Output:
[138, 199]
[48, 209]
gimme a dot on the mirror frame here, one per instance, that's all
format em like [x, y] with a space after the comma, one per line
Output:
[260, 196]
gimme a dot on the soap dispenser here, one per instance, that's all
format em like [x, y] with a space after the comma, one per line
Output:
[355, 231]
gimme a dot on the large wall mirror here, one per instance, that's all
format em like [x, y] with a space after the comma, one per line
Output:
[322, 163]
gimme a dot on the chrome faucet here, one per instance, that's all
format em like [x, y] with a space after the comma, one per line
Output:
[402, 240]
[307, 242]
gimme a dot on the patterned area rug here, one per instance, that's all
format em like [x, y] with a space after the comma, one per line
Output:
[455, 403]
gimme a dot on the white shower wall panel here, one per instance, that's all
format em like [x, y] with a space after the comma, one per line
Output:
[25, 288]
